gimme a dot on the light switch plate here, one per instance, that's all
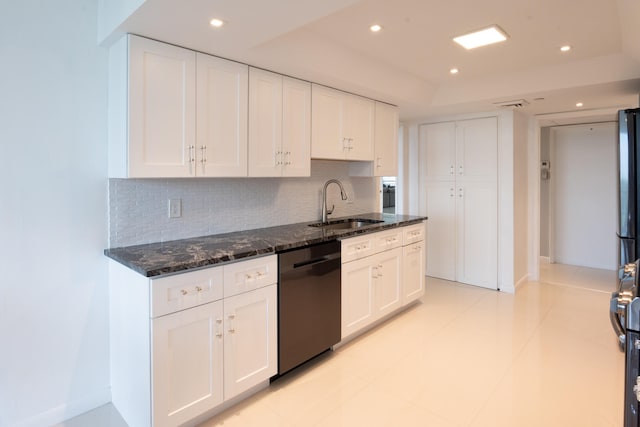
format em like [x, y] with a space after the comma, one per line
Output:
[175, 208]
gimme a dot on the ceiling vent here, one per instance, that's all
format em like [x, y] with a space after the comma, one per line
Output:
[516, 103]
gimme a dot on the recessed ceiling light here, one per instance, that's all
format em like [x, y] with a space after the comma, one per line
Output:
[454, 71]
[215, 22]
[375, 28]
[579, 104]
[566, 48]
[482, 37]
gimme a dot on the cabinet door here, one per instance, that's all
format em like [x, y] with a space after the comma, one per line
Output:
[222, 117]
[386, 140]
[161, 121]
[265, 123]
[477, 225]
[357, 295]
[387, 273]
[412, 272]
[477, 150]
[186, 364]
[296, 127]
[250, 344]
[326, 115]
[439, 143]
[358, 119]
[441, 230]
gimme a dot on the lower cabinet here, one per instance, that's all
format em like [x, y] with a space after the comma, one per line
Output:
[168, 369]
[187, 353]
[413, 257]
[370, 289]
[250, 334]
[380, 275]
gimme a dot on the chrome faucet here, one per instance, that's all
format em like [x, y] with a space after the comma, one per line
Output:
[343, 194]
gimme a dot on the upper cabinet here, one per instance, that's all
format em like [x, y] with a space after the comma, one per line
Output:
[386, 140]
[385, 145]
[178, 113]
[343, 125]
[279, 125]
[221, 108]
[153, 123]
[157, 94]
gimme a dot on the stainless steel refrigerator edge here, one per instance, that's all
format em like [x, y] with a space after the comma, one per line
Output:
[628, 161]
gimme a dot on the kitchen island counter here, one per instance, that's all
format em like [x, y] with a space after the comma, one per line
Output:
[176, 256]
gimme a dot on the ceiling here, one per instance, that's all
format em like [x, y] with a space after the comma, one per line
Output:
[408, 62]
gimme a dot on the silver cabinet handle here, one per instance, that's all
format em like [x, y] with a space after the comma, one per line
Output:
[203, 152]
[231, 328]
[219, 333]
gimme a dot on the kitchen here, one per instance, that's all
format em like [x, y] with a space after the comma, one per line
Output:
[55, 325]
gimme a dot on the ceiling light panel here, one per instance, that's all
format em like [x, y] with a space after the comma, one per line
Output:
[482, 37]
[375, 28]
[215, 22]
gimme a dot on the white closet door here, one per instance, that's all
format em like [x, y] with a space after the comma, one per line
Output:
[441, 230]
[477, 234]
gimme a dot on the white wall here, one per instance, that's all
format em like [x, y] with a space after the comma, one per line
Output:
[583, 227]
[53, 289]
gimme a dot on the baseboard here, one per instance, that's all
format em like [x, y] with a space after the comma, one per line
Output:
[520, 283]
[61, 413]
[545, 260]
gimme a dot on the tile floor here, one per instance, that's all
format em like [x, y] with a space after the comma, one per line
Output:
[464, 356]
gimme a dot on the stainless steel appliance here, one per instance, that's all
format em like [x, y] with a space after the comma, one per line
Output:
[628, 185]
[625, 318]
[624, 310]
[309, 310]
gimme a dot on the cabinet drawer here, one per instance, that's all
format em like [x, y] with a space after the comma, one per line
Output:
[357, 247]
[248, 275]
[181, 291]
[386, 240]
[413, 233]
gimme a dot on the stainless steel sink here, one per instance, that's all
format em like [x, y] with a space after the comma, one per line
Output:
[345, 224]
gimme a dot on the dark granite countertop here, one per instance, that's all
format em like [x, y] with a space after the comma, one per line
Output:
[175, 256]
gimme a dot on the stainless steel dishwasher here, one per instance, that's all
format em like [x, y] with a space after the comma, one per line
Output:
[308, 303]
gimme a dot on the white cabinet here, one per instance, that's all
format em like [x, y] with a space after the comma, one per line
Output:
[152, 116]
[250, 339]
[413, 259]
[279, 125]
[187, 353]
[461, 200]
[343, 125]
[387, 281]
[160, 127]
[373, 277]
[221, 108]
[183, 344]
[385, 144]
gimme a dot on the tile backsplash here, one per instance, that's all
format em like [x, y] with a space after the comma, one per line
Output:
[139, 208]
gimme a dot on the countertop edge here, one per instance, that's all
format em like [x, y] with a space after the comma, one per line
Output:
[223, 251]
